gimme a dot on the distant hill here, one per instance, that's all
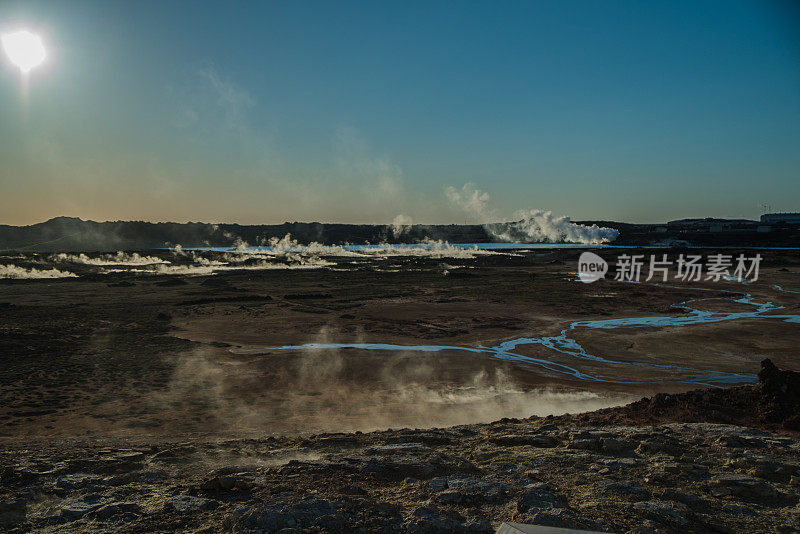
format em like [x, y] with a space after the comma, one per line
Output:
[64, 234]
[70, 234]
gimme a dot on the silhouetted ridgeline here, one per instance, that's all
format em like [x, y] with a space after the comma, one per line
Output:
[69, 234]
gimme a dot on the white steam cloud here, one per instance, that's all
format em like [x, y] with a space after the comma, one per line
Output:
[120, 258]
[428, 248]
[12, 271]
[543, 226]
[331, 391]
[401, 224]
[205, 267]
[530, 225]
[290, 249]
[274, 253]
[470, 199]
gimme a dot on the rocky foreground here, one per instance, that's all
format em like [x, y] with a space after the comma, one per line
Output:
[605, 471]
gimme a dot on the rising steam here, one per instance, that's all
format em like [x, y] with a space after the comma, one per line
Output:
[530, 225]
[543, 226]
[12, 271]
[470, 199]
[400, 225]
[291, 249]
[336, 391]
[120, 258]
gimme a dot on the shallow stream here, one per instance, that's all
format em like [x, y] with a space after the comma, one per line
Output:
[565, 344]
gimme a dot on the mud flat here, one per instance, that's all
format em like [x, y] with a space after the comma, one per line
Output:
[118, 350]
[139, 401]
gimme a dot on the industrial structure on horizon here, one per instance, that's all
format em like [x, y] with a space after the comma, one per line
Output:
[775, 218]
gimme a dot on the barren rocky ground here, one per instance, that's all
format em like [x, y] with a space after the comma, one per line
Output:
[139, 403]
[557, 471]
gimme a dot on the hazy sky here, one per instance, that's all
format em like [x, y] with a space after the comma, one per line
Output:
[260, 112]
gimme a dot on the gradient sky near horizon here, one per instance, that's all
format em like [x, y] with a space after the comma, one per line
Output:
[261, 112]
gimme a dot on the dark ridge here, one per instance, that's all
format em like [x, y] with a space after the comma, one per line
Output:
[69, 234]
[773, 404]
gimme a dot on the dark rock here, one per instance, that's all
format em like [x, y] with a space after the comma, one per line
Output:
[781, 392]
[189, 503]
[438, 484]
[512, 440]
[659, 444]
[664, 512]
[77, 509]
[429, 520]
[743, 487]
[538, 495]
[614, 446]
[274, 516]
[78, 480]
[586, 444]
[559, 518]
[12, 512]
[621, 488]
[115, 509]
[223, 483]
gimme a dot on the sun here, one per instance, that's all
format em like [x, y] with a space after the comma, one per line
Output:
[24, 49]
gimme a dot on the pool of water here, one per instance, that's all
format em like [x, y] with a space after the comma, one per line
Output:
[470, 246]
[566, 345]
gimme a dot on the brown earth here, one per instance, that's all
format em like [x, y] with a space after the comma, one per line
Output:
[141, 403]
[125, 353]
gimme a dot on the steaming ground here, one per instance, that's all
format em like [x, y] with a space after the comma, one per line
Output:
[535, 226]
[528, 226]
[285, 253]
[335, 392]
[122, 348]
[12, 271]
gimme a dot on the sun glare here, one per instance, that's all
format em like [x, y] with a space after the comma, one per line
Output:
[24, 49]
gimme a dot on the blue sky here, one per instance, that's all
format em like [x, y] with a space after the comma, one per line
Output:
[260, 112]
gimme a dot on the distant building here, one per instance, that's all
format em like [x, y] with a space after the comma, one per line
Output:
[710, 221]
[774, 218]
[689, 222]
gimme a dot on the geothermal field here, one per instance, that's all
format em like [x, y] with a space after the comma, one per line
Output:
[427, 267]
[279, 387]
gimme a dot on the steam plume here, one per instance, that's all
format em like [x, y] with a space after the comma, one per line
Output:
[120, 258]
[530, 225]
[400, 225]
[470, 199]
[12, 271]
[543, 226]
